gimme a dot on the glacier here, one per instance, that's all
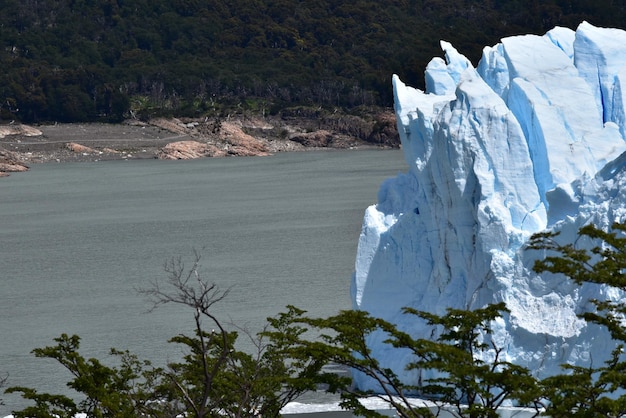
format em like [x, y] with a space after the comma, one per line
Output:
[531, 139]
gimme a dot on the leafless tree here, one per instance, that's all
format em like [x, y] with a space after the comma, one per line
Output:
[217, 379]
[186, 286]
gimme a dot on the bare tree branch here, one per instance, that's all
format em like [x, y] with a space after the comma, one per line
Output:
[186, 287]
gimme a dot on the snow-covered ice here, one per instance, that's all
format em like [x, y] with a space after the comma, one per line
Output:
[383, 407]
[530, 139]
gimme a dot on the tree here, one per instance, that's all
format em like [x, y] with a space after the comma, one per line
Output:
[46, 405]
[124, 391]
[585, 391]
[604, 263]
[476, 388]
[472, 387]
[343, 341]
[290, 45]
[590, 391]
[215, 378]
[209, 350]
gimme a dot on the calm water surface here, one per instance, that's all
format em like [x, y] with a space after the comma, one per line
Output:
[78, 239]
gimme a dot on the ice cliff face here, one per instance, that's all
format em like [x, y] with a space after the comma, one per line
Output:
[531, 139]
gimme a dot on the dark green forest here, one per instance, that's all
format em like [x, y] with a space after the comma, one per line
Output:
[87, 60]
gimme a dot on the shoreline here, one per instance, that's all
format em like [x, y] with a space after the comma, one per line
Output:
[174, 139]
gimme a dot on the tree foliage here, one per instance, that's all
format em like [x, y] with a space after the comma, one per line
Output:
[474, 386]
[590, 391]
[123, 391]
[213, 379]
[76, 60]
[460, 381]
[603, 263]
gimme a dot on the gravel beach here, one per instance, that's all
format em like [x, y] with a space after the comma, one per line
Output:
[23, 145]
[101, 142]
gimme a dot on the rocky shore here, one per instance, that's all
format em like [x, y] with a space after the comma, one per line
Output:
[23, 145]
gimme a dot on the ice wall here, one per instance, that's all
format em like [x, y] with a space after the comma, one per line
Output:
[530, 139]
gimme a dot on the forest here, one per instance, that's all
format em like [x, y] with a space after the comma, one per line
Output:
[87, 60]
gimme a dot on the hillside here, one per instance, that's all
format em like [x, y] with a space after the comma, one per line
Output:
[80, 60]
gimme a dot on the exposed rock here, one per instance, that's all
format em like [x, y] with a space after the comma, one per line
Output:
[321, 138]
[12, 168]
[188, 150]
[229, 137]
[10, 163]
[236, 135]
[74, 147]
[171, 125]
[19, 129]
[240, 142]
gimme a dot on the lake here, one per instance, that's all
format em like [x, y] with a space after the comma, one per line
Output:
[79, 239]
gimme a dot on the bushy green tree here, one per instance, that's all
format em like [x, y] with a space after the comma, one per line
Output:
[590, 391]
[46, 405]
[476, 388]
[603, 263]
[259, 382]
[461, 382]
[585, 392]
[123, 391]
